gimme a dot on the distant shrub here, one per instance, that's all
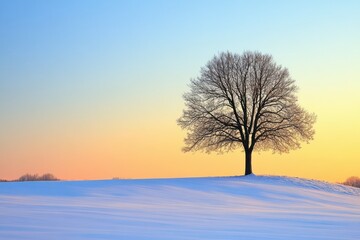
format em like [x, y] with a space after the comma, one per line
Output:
[28, 177]
[35, 177]
[353, 181]
[3, 180]
[48, 177]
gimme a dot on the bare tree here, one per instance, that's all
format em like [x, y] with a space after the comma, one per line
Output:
[244, 100]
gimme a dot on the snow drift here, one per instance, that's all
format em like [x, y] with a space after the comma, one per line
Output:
[251, 207]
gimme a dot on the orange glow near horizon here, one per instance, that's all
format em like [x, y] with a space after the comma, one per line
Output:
[134, 147]
[154, 151]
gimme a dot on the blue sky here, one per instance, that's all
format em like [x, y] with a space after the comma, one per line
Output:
[73, 64]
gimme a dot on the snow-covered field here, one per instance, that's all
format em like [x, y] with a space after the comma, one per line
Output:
[251, 207]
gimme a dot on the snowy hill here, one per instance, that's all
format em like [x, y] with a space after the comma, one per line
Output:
[251, 207]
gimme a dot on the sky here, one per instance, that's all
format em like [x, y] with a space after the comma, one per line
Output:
[93, 89]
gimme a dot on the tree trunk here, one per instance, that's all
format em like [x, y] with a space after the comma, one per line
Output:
[248, 168]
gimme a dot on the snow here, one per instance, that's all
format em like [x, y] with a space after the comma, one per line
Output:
[251, 207]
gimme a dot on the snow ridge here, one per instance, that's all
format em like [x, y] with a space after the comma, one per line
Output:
[305, 183]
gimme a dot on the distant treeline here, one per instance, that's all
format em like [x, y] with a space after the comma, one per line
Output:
[352, 181]
[34, 177]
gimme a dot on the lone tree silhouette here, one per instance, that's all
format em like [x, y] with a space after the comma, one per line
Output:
[244, 100]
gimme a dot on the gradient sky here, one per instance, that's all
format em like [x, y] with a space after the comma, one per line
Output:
[92, 89]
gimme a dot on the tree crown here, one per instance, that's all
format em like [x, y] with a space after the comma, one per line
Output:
[244, 100]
